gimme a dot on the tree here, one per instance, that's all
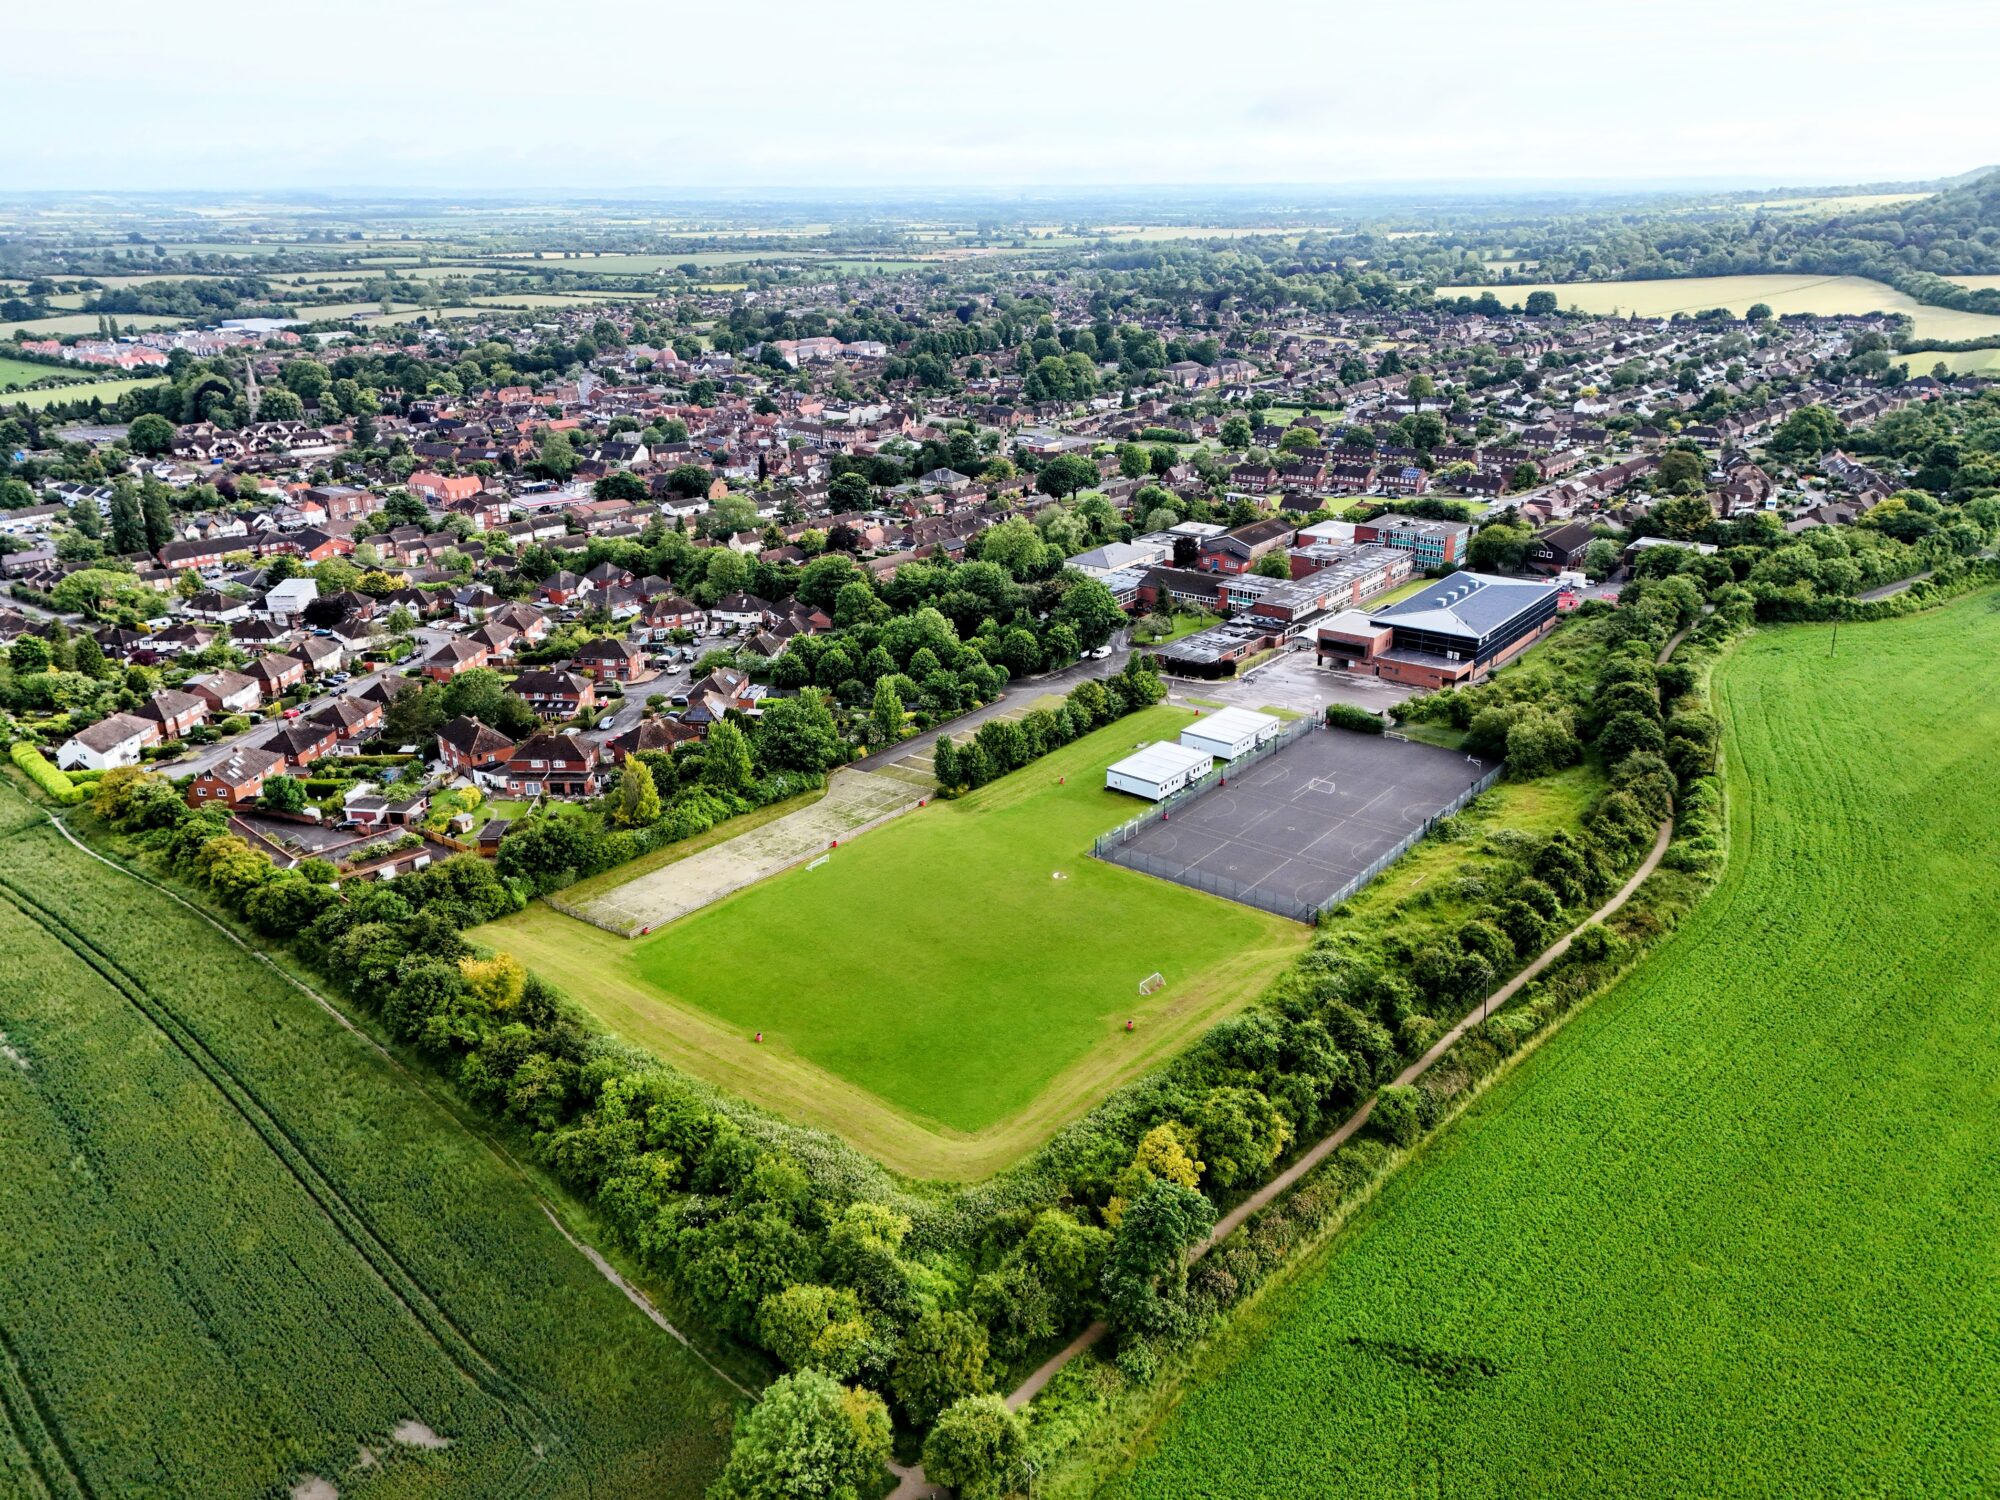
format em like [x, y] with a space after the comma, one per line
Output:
[1758, 312]
[1065, 474]
[976, 1448]
[1241, 1134]
[1147, 1267]
[799, 734]
[944, 763]
[690, 481]
[809, 1438]
[128, 520]
[816, 1328]
[1092, 611]
[1501, 548]
[638, 798]
[886, 717]
[1600, 559]
[1525, 476]
[1272, 565]
[557, 458]
[1541, 304]
[1236, 433]
[943, 1358]
[1679, 467]
[284, 794]
[150, 433]
[1299, 438]
[278, 404]
[725, 759]
[622, 485]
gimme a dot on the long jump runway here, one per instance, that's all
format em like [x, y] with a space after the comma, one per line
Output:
[1296, 827]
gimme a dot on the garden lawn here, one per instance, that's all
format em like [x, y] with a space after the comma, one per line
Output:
[933, 982]
[1735, 1230]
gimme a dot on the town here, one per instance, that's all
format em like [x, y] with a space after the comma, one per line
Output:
[945, 843]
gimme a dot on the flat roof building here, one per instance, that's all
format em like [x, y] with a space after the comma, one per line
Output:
[1159, 770]
[1230, 732]
[1457, 630]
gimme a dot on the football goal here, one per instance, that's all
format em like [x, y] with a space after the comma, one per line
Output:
[1151, 983]
[820, 861]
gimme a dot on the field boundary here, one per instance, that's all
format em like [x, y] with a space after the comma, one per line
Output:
[35, 1431]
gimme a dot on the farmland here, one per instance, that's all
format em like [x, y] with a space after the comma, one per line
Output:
[898, 1002]
[19, 372]
[1732, 1231]
[238, 1247]
[106, 391]
[1825, 295]
[68, 323]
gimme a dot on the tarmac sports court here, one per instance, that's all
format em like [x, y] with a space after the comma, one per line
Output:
[1297, 826]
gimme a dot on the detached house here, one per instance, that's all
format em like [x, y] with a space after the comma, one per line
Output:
[276, 674]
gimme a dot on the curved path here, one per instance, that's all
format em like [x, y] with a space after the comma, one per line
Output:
[1230, 1222]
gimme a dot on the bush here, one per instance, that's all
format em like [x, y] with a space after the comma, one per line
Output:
[47, 777]
[1399, 1112]
[1347, 716]
[976, 1448]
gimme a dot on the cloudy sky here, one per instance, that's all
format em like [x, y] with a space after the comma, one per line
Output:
[508, 96]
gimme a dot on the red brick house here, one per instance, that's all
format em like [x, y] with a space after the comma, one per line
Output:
[235, 781]
[465, 745]
[552, 765]
[554, 695]
[611, 660]
[304, 741]
[452, 658]
[175, 712]
[275, 674]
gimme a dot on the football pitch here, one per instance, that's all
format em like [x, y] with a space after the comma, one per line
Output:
[947, 990]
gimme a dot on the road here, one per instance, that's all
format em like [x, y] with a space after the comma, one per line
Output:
[1026, 690]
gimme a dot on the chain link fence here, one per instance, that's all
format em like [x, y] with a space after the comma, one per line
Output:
[1111, 846]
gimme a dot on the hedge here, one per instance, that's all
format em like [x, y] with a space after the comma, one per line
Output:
[44, 775]
[1347, 716]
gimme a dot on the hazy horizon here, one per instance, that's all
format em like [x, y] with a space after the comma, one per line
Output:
[1034, 97]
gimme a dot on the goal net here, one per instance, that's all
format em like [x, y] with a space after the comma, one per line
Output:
[1322, 784]
[820, 861]
[1150, 983]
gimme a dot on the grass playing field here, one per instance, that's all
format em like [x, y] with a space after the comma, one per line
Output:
[933, 992]
[1782, 294]
[238, 1247]
[1735, 1230]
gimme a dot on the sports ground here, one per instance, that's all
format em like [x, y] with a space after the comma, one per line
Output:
[1294, 829]
[949, 989]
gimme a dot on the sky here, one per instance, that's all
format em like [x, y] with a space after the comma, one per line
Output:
[509, 97]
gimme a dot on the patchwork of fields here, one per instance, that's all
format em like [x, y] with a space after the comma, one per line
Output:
[1826, 295]
[1736, 1229]
[952, 988]
[237, 1248]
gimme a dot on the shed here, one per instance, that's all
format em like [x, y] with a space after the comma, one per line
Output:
[1230, 732]
[1158, 770]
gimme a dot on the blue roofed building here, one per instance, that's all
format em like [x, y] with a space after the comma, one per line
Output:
[1456, 631]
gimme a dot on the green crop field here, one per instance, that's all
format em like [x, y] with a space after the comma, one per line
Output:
[239, 1248]
[934, 992]
[106, 391]
[1959, 362]
[1782, 294]
[1736, 1229]
[18, 372]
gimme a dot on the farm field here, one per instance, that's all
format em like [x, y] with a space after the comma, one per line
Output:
[103, 390]
[1734, 1229]
[1959, 362]
[1782, 294]
[902, 1000]
[42, 328]
[239, 1249]
[1977, 283]
[16, 372]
